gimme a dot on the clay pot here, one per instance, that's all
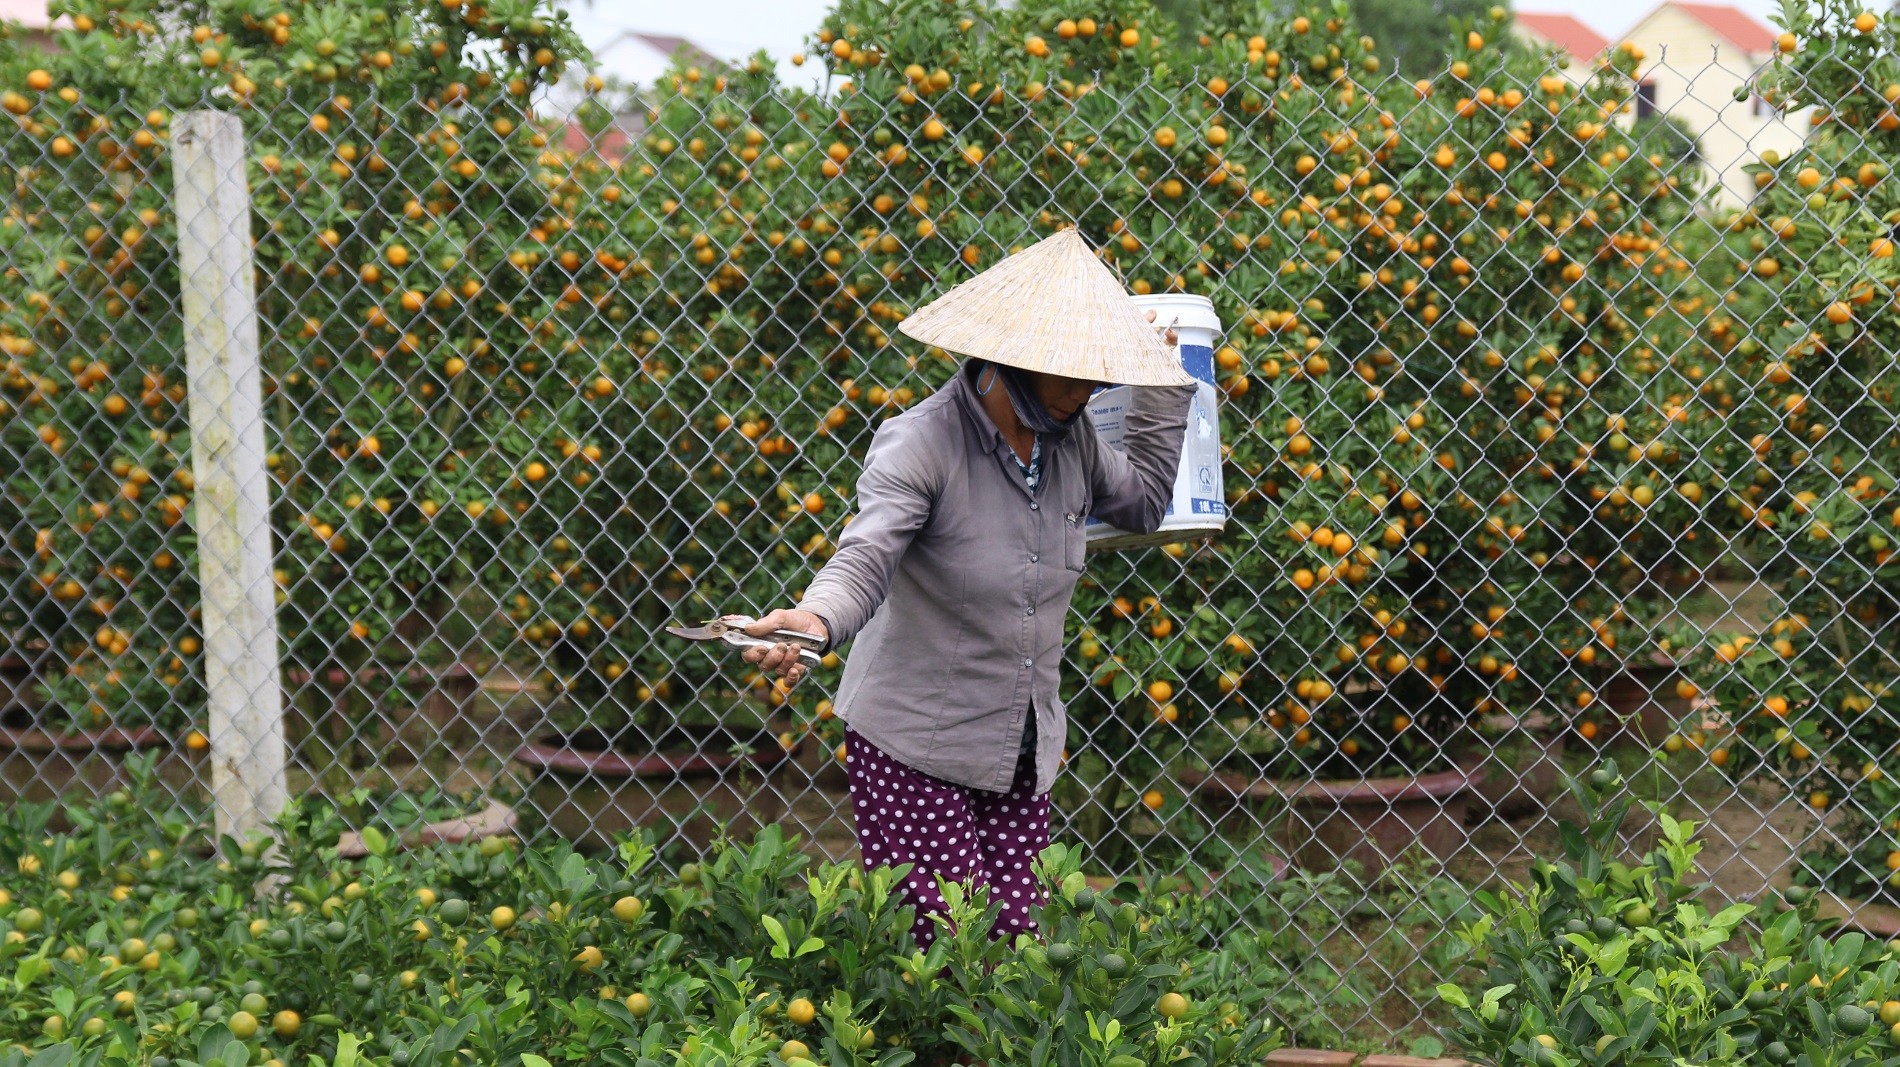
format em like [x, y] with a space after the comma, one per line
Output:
[1373, 821]
[443, 711]
[436, 706]
[590, 790]
[19, 684]
[495, 820]
[1880, 921]
[37, 765]
[1523, 769]
[1641, 702]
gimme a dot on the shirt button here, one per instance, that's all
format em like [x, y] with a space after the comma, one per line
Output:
[1030, 611]
[1026, 663]
[1034, 506]
[1033, 558]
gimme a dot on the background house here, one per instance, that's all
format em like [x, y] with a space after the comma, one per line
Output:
[630, 61]
[642, 57]
[1564, 35]
[35, 25]
[1695, 58]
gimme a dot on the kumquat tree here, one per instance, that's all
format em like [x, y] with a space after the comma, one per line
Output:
[1812, 695]
[1556, 571]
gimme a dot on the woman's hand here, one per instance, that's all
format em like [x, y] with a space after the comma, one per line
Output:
[1171, 336]
[782, 658]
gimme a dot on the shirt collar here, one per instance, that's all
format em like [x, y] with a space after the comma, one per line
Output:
[986, 431]
[972, 406]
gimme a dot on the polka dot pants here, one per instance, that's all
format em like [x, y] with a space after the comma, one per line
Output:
[941, 828]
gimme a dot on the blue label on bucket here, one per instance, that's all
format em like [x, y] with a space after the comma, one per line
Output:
[1198, 361]
[1197, 505]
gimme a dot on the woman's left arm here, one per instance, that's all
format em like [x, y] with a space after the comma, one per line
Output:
[1131, 487]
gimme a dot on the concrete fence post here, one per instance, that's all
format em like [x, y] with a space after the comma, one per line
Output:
[232, 514]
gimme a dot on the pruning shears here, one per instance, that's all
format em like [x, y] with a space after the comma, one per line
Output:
[731, 630]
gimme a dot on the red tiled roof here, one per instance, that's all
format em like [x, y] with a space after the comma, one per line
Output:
[669, 46]
[1738, 27]
[1565, 32]
[610, 145]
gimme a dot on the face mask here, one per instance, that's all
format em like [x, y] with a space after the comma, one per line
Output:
[1023, 399]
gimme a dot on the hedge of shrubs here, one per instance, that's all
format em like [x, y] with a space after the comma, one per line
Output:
[132, 937]
[1487, 369]
[129, 939]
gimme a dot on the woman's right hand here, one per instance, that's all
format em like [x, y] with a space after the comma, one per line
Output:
[782, 659]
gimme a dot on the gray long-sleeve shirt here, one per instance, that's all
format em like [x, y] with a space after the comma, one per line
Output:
[955, 578]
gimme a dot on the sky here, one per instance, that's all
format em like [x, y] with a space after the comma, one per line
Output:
[733, 28]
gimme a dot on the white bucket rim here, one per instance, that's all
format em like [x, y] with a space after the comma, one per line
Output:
[1192, 311]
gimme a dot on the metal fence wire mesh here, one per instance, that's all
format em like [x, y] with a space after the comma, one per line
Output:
[1539, 441]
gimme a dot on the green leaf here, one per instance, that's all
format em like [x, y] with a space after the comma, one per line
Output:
[1847, 948]
[346, 1046]
[1573, 842]
[529, 1059]
[1614, 955]
[52, 1056]
[376, 841]
[31, 967]
[1454, 995]
[781, 945]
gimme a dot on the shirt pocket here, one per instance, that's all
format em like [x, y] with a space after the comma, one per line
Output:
[1075, 538]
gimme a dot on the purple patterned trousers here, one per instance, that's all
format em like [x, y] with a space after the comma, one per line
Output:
[941, 828]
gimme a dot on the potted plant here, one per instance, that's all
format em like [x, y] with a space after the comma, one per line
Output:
[1641, 698]
[403, 713]
[1855, 864]
[432, 707]
[19, 678]
[434, 703]
[1799, 708]
[679, 764]
[1853, 872]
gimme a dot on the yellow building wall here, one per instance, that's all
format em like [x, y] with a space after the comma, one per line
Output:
[1696, 72]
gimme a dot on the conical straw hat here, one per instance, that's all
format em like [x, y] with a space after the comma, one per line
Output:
[1052, 307]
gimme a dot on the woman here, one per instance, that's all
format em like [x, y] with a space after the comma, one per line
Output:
[954, 577]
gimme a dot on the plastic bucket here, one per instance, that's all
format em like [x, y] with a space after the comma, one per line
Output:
[1199, 505]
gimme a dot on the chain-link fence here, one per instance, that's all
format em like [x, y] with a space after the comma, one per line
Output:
[1536, 445]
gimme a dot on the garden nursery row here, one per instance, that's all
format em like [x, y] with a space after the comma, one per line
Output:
[132, 938]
